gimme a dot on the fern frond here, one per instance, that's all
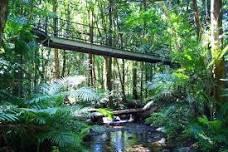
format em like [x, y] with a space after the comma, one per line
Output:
[80, 112]
[57, 85]
[8, 113]
[8, 117]
[85, 94]
[44, 101]
[61, 138]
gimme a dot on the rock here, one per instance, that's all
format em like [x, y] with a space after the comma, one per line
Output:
[160, 142]
[117, 118]
[157, 145]
[106, 120]
[138, 148]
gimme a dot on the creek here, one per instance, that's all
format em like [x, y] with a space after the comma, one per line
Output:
[130, 137]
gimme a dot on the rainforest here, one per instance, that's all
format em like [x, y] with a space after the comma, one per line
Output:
[113, 75]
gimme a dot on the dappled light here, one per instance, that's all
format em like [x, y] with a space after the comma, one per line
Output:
[113, 76]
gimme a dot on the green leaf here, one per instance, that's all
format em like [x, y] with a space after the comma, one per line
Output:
[106, 112]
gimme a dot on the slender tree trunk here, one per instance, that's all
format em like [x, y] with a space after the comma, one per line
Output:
[94, 70]
[121, 79]
[104, 25]
[108, 60]
[3, 17]
[141, 82]
[91, 22]
[64, 64]
[108, 70]
[102, 77]
[206, 4]
[56, 60]
[134, 80]
[91, 69]
[197, 18]
[216, 47]
[56, 51]
[146, 78]
[43, 66]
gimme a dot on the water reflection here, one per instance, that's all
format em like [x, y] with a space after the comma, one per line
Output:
[121, 140]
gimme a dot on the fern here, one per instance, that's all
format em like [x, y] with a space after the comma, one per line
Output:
[65, 87]
[162, 84]
[47, 118]
[61, 137]
[84, 94]
[8, 114]
[81, 112]
[7, 117]
[56, 86]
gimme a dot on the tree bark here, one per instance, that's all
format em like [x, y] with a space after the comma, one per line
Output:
[134, 80]
[122, 79]
[108, 70]
[3, 17]
[197, 18]
[64, 64]
[56, 51]
[216, 47]
[108, 60]
[91, 66]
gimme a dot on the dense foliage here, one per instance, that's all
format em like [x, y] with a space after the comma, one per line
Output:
[45, 101]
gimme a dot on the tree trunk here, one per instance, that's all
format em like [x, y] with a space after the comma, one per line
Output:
[103, 76]
[108, 60]
[64, 64]
[134, 80]
[108, 70]
[91, 69]
[147, 76]
[141, 81]
[91, 22]
[197, 18]
[56, 51]
[121, 77]
[216, 47]
[56, 61]
[3, 17]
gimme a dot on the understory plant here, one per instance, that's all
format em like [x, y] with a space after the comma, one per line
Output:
[188, 113]
[44, 121]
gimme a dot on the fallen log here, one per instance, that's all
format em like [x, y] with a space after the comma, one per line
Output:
[138, 113]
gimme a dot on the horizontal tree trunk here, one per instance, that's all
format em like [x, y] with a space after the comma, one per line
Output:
[139, 113]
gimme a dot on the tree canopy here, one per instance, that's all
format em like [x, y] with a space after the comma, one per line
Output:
[48, 91]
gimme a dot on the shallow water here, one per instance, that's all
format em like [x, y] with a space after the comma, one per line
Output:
[131, 137]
